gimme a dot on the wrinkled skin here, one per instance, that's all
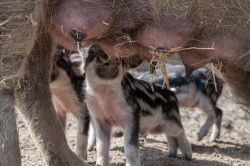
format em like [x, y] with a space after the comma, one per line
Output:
[204, 24]
[221, 25]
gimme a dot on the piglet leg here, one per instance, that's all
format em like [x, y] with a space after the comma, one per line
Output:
[211, 119]
[102, 143]
[172, 146]
[184, 146]
[131, 143]
[91, 137]
[82, 134]
[216, 126]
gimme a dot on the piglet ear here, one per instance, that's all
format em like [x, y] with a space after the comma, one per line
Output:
[133, 61]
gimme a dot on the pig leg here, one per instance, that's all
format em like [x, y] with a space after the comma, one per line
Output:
[82, 134]
[206, 106]
[102, 144]
[206, 126]
[176, 137]
[91, 137]
[216, 126]
[33, 98]
[131, 143]
[116, 132]
[172, 146]
[9, 143]
[184, 146]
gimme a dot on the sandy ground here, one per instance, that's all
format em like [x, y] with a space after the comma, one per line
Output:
[232, 149]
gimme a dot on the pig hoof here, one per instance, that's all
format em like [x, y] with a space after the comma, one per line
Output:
[213, 138]
[187, 156]
[172, 153]
[215, 134]
[200, 136]
[91, 148]
[186, 150]
[117, 133]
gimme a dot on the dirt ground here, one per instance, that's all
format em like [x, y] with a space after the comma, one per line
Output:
[232, 149]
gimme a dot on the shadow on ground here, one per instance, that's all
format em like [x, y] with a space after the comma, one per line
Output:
[157, 157]
[225, 148]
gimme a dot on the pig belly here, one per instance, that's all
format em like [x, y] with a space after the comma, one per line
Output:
[65, 101]
[153, 124]
[63, 95]
[112, 114]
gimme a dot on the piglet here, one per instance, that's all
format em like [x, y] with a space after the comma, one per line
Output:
[116, 98]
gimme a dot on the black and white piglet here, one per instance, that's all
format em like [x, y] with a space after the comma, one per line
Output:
[115, 98]
[67, 87]
[198, 91]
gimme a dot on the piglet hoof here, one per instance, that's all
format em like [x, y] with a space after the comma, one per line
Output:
[172, 153]
[215, 131]
[200, 135]
[117, 133]
[187, 156]
[186, 151]
[91, 148]
[214, 136]
[185, 147]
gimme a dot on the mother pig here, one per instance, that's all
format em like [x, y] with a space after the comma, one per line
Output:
[121, 28]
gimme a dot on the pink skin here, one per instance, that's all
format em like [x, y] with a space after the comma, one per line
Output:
[125, 50]
[92, 22]
[63, 96]
[152, 37]
[109, 113]
[65, 102]
[70, 14]
[225, 48]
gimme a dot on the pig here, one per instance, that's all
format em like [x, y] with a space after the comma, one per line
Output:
[187, 24]
[43, 23]
[31, 32]
[26, 55]
[67, 84]
[67, 87]
[198, 91]
[121, 28]
[116, 98]
[219, 25]
[201, 90]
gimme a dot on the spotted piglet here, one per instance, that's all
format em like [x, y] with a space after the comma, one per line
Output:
[67, 84]
[115, 98]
